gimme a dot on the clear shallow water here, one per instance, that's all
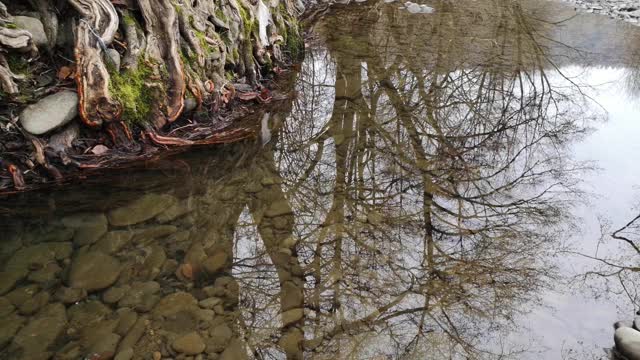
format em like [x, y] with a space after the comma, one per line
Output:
[422, 198]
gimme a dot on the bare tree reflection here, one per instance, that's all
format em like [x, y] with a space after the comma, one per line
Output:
[458, 155]
[407, 208]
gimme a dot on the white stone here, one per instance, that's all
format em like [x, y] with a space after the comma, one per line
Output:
[34, 26]
[628, 342]
[50, 113]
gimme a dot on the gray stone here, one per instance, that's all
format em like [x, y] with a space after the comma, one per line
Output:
[190, 104]
[34, 26]
[175, 211]
[94, 271]
[88, 227]
[125, 354]
[190, 344]
[70, 296]
[134, 334]
[106, 343]
[47, 275]
[142, 209]
[38, 256]
[219, 338]
[113, 57]
[210, 303]
[6, 307]
[137, 294]
[113, 241]
[88, 314]
[128, 318]
[32, 305]
[50, 234]
[291, 316]
[63, 140]
[22, 294]
[153, 232]
[8, 280]
[41, 331]
[234, 351]
[278, 208]
[50, 112]
[174, 303]
[114, 294]
[9, 326]
[627, 342]
[215, 262]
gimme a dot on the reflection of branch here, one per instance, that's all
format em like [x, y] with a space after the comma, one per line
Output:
[623, 238]
[351, 325]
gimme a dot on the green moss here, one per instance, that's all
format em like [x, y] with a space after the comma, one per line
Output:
[289, 29]
[248, 23]
[235, 55]
[202, 38]
[295, 44]
[129, 19]
[134, 95]
[11, 26]
[268, 65]
[17, 63]
[220, 14]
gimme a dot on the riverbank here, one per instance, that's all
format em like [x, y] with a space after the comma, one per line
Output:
[110, 94]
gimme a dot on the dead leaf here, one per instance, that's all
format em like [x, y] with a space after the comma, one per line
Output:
[99, 149]
[64, 73]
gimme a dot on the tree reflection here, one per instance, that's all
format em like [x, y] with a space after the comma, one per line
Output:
[407, 208]
[449, 179]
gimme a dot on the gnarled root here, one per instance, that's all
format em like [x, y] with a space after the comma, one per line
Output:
[15, 39]
[6, 77]
[94, 32]
[162, 45]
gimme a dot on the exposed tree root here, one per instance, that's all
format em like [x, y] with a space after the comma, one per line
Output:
[93, 33]
[211, 55]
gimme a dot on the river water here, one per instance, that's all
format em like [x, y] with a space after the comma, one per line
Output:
[437, 189]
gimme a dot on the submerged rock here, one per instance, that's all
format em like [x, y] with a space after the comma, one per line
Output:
[141, 209]
[174, 303]
[70, 296]
[49, 113]
[627, 342]
[41, 331]
[94, 271]
[34, 26]
[190, 344]
[89, 227]
[113, 241]
[418, 8]
[9, 326]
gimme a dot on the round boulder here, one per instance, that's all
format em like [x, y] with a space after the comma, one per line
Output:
[50, 112]
[93, 270]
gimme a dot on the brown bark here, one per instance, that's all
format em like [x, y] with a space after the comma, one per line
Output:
[93, 33]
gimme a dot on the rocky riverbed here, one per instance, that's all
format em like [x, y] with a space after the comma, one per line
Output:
[128, 283]
[626, 10]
